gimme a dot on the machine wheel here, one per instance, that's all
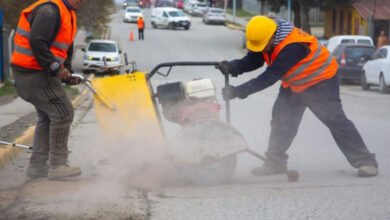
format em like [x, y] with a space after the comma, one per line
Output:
[206, 151]
[365, 86]
[211, 172]
[292, 175]
[382, 85]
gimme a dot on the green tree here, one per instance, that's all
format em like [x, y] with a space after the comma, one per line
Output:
[93, 13]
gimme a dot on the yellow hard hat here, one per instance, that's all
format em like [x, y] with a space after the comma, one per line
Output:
[140, 16]
[258, 32]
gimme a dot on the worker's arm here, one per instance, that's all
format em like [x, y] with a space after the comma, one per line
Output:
[68, 61]
[251, 61]
[287, 58]
[45, 24]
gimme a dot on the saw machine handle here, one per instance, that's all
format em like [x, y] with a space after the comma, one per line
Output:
[189, 63]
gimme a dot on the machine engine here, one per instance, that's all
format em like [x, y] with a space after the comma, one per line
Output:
[188, 102]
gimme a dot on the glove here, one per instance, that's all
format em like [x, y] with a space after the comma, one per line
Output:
[225, 67]
[229, 92]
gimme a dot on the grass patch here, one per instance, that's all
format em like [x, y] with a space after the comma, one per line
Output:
[8, 88]
[239, 12]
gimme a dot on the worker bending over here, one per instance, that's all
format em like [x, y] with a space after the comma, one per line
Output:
[308, 74]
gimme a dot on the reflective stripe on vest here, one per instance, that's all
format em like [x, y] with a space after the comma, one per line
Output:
[23, 55]
[317, 66]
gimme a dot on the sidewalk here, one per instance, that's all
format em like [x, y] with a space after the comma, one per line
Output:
[238, 20]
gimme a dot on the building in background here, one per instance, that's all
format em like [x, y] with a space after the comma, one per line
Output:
[360, 17]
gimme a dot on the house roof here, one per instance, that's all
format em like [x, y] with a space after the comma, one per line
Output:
[366, 8]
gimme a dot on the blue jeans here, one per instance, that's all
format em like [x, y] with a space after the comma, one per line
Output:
[323, 99]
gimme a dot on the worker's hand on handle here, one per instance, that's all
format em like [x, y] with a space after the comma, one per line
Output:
[225, 67]
[64, 75]
[74, 81]
[229, 92]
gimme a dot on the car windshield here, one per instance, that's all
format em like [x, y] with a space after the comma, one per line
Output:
[347, 41]
[102, 47]
[133, 10]
[216, 11]
[364, 42]
[201, 5]
[176, 14]
[356, 53]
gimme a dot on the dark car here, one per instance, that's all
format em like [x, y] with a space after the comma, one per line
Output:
[130, 3]
[164, 3]
[351, 58]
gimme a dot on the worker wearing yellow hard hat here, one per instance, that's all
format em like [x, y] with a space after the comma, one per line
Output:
[308, 74]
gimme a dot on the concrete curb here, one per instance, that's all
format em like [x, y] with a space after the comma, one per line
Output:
[7, 153]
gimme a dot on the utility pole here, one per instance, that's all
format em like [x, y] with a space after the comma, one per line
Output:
[289, 11]
[234, 11]
[1, 47]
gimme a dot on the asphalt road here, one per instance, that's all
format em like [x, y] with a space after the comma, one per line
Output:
[109, 188]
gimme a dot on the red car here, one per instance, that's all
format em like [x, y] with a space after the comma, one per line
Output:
[179, 4]
[144, 3]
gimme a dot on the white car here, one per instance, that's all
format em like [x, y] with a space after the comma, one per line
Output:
[170, 18]
[96, 51]
[132, 14]
[214, 15]
[198, 8]
[334, 41]
[376, 71]
[188, 5]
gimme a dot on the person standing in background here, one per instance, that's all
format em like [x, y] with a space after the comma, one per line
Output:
[141, 26]
[382, 40]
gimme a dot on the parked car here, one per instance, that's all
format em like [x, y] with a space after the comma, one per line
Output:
[130, 3]
[189, 5]
[132, 14]
[351, 58]
[214, 15]
[198, 9]
[144, 3]
[164, 3]
[377, 70]
[96, 50]
[334, 41]
[179, 4]
[169, 17]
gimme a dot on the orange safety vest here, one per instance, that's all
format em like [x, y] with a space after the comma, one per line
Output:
[317, 66]
[140, 23]
[23, 55]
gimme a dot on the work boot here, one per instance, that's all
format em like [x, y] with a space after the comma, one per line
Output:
[37, 171]
[267, 169]
[367, 171]
[62, 171]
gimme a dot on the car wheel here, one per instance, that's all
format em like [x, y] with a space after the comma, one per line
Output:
[154, 25]
[187, 27]
[364, 84]
[382, 85]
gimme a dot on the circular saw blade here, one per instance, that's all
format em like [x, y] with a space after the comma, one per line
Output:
[206, 151]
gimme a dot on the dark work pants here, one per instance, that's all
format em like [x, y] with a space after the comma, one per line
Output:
[140, 34]
[324, 101]
[55, 115]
